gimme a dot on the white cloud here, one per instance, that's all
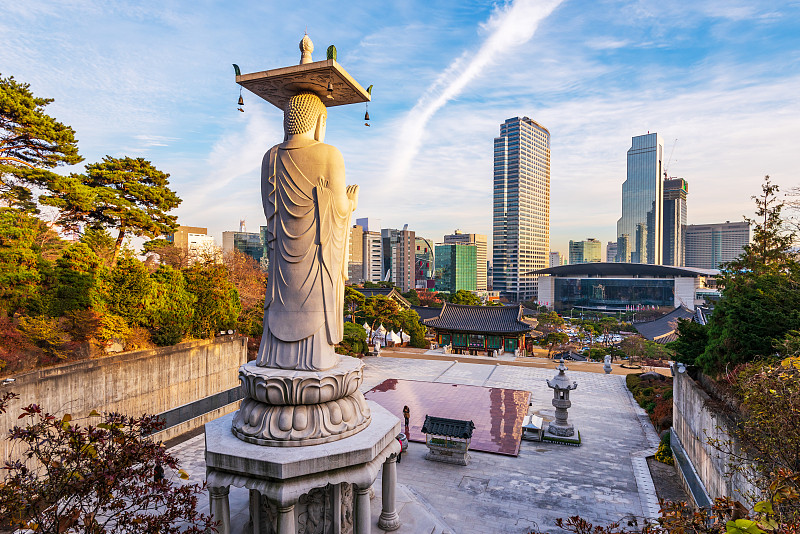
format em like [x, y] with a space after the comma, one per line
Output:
[508, 28]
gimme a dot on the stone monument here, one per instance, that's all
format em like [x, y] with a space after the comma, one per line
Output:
[305, 442]
[561, 387]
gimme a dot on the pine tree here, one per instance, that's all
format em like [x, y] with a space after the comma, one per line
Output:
[128, 195]
[31, 143]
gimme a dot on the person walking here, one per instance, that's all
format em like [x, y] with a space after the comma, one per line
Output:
[406, 415]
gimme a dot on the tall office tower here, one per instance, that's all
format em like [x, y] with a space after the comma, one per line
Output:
[642, 197]
[611, 251]
[555, 259]
[589, 251]
[355, 255]
[456, 267]
[479, 240]
[372, 257]
[521, 211]
[399, 258]
[423, 263]
[710, 245]
[675, 217]
[623, 249]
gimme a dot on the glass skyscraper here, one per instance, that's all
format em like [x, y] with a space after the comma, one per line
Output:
[456, 267]
[675, 217]
[642, 197]
[521, 215]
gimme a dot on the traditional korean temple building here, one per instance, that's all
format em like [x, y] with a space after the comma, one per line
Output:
[475, 329]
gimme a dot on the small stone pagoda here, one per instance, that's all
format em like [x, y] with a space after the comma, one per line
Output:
[305, 442]
[561, 387]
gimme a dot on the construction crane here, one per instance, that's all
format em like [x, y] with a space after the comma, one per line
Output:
[670, 158]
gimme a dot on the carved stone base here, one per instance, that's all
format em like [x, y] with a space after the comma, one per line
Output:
[563, 431]
[287, 386]
[300, 425]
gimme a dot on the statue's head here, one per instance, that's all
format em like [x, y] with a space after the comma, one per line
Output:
[303, 113]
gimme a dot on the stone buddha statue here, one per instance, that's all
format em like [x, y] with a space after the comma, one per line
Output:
[308, 208]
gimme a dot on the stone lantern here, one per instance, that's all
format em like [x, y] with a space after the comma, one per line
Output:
[561, 386]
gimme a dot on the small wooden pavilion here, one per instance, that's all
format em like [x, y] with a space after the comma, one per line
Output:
[447, 439]
[476, 329]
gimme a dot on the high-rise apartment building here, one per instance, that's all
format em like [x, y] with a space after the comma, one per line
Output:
[355, 255]
[589, 251]
[675, 219]
[424, 263]
[479, 240]
[399, 257]
[372, 262]
[642, 196]
[456, 267]
[710, 245]
[521, 209]
[556, 259]
[611, 251]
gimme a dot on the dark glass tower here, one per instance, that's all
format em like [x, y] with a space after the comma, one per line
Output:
[642, 196]
[675, 192]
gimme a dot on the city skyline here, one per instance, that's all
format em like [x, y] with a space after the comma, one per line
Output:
[157, 82]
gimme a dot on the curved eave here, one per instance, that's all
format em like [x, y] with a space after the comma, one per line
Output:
[610, 270]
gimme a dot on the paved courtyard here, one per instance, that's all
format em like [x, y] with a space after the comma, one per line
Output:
[605, 479]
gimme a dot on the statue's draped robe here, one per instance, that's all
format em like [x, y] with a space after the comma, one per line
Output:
[306, 245]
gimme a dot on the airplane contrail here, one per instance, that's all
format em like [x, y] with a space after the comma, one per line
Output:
[509, 27]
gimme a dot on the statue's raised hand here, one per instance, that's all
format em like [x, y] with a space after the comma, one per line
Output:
[352, 194]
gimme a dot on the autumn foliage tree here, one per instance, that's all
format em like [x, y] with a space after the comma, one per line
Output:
[94, 476]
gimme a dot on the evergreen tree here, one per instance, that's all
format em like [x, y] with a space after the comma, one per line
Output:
[217, 305]
[761, 292]
[128, 195]
[75, 273]
[19, 274]
[31, 143]
[169, 307]
[128, 288]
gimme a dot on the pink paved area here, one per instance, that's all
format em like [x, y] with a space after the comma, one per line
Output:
[496, 412]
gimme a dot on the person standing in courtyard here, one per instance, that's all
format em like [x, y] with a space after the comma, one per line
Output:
[406, 415]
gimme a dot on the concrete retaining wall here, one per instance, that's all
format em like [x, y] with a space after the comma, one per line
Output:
[695, 422]
[134, 383]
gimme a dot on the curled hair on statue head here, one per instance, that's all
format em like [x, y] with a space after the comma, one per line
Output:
[301, 113]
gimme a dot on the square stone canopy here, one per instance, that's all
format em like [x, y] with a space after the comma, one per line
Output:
[278, 85]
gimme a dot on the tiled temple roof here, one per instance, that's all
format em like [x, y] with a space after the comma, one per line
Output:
[488, 319]
[451, 428]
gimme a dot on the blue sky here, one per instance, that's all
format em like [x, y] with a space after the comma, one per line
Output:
[154, 79]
